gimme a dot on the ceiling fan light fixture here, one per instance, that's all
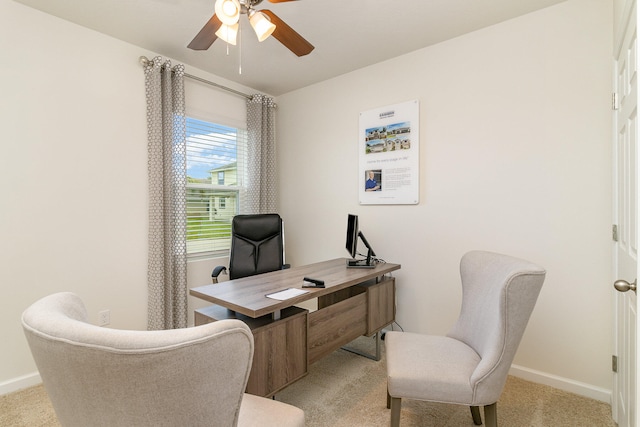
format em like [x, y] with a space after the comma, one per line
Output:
[228, 11]
[228, 33]
[261, 25]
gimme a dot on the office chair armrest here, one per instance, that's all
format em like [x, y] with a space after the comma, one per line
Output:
[216, 272]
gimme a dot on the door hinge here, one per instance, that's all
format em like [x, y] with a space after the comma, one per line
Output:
[614, 101]
[614, 363]
[614, 232]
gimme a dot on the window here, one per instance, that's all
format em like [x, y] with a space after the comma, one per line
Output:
[215, 177]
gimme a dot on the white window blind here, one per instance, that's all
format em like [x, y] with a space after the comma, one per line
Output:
[216, 158]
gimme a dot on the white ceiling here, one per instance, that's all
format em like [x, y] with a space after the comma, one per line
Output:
[347, 34]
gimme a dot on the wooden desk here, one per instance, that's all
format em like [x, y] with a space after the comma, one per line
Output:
[354, 302]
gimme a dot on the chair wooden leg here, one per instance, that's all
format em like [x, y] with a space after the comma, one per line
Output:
[396, 403]
[491, 415]
[475, 413]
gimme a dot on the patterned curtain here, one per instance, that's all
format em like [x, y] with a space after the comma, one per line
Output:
[167, 264]
[260, 196]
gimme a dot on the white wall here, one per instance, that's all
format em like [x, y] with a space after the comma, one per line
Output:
[515, 157]
[73, 175]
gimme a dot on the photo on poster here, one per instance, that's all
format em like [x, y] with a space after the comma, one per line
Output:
[373, 180]
[389, 154]
[382, 139]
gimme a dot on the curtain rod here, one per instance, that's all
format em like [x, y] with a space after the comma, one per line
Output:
[144, 61]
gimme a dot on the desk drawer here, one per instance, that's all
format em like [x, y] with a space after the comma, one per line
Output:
[279, 356]
[381, 301]
[335, 325]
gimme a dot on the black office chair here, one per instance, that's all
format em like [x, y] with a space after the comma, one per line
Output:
[257, 246]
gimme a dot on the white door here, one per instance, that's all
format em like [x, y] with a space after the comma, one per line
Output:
[624, 405]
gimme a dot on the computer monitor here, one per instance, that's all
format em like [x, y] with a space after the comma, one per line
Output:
[353, 234]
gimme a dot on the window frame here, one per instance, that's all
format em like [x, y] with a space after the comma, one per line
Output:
[220, 246]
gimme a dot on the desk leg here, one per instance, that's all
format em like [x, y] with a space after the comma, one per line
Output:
[376, 357]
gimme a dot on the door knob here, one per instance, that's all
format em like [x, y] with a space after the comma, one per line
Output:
[624, 286]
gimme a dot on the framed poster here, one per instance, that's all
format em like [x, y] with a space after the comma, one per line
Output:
[389, 155]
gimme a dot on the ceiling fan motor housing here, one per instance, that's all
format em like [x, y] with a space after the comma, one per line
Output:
[247, 5]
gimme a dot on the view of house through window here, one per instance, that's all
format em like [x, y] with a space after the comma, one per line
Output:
[215, 159]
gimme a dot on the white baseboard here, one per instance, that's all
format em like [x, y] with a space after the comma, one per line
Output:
[562, 383]
[20, 383]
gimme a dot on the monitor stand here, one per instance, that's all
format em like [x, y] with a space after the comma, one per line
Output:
[361, 263]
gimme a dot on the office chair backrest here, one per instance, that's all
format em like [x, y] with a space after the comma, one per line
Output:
[106, 377]
[499, 293]
[256, 245]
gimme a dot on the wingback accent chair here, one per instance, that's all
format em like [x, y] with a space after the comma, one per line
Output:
[257, 246]
[183, 377]
[470, 365]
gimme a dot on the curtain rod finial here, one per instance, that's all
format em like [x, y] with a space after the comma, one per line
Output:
[143, 60]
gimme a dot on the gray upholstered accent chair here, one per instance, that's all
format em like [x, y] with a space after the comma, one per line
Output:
[470, 365]
[184, 377]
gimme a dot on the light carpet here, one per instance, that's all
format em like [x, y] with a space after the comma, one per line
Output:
[347, 390]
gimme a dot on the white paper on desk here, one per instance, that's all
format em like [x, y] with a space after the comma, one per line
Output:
[286, 294]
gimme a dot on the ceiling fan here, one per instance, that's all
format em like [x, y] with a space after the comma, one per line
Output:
[224, 25]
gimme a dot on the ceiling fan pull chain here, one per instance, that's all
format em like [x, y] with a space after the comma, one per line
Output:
[240, 52]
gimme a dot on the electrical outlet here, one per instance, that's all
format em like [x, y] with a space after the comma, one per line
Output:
[104, 317]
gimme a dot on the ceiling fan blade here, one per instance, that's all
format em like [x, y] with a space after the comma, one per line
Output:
[280, 1]
[207, 35]
[288, 37]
